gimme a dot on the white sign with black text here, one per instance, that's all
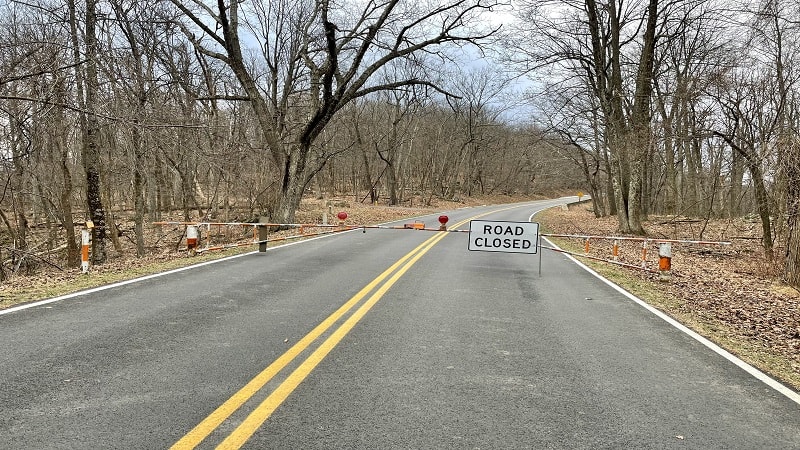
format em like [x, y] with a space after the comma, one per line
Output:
[506, 237]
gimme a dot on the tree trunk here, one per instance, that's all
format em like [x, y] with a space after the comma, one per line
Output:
[366, 179]
[611, 193]
[762, 203]
[591, 181]
[670, 193]
[628, 135]
[735, 191]
[620, 196]
[139, 204]
[367, 182]
[17, 193]
[295, 180]
[391, 183]
[60, 142]
[137, 140]
[753, 163]
[791, 168]
[635, 200]
[90, 150]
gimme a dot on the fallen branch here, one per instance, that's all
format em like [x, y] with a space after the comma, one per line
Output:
[33, 255]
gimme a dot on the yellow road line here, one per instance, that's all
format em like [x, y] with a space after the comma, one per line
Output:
[210, 423]
[263, 411]
[246, 429]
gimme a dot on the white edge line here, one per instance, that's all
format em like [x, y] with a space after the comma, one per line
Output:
[766, 379]
[144, 278]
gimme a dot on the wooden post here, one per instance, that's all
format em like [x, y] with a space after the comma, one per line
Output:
[644, 254]
[263, 234]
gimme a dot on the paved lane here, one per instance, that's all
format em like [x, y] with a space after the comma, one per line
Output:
[463, 350]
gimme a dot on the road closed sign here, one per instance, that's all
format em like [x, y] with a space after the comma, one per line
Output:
[506, 237]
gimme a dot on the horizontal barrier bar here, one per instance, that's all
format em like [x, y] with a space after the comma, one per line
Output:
[252, 224]
[388, 227]
[631, 266]
[264, 241]
[636, 239]
[306, 225]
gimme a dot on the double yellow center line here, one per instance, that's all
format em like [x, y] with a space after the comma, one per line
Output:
[261, 413]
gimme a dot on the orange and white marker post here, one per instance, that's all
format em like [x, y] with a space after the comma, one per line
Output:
[86, 239]
[191, 239]
[665, 261]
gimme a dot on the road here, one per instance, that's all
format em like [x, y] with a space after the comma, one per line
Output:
[383, 339]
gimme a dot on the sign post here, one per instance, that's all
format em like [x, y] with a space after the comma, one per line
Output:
[539, 244]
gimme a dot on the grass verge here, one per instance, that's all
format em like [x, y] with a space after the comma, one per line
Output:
[104, 275]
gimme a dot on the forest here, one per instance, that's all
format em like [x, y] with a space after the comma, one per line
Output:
[119, 112]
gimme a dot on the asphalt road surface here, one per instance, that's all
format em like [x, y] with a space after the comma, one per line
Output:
[377, 340]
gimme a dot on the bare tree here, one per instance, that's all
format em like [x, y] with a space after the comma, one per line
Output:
[314, 59]
[135, 23]
[88, 91]
[477, 109]
[611, 44]
[776, 28]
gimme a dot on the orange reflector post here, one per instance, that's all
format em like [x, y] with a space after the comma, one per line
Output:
[85, 240]
[191, 239]
[665, 261]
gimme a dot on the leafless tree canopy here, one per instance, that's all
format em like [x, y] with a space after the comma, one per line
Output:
[681, 108]
[122, 113]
